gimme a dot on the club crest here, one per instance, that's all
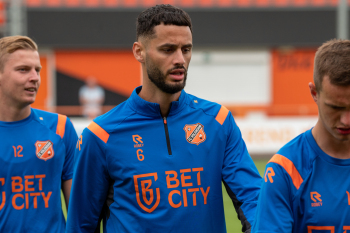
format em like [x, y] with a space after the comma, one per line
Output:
[44, 150]
[195, 133]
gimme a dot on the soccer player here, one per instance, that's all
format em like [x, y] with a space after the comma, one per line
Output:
[307, 183]
[37, 147]
[156, 162]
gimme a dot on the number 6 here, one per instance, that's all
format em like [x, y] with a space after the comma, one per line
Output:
[140, 156]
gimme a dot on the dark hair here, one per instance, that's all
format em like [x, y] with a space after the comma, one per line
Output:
[332, 59]
[154, 16]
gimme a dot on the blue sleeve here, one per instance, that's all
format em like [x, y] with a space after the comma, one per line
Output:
[90, 184]
[240, 175]
[70, 139]
[274, 213]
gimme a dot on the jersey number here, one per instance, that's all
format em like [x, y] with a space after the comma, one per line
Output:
[140, 156]
[17, 151]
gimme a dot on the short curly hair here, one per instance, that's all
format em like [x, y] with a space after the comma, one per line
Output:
[154, 16]
[332, 59]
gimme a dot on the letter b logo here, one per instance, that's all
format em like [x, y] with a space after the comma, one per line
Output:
[146, 192]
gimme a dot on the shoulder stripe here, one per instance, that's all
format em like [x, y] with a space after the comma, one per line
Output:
[61, 125]
[98, 131]
[222, 114]
[289, 167]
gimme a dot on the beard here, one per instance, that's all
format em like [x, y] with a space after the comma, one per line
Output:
[158, 78]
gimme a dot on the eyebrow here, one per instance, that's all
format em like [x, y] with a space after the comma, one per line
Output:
[174, 45]
[26, 66]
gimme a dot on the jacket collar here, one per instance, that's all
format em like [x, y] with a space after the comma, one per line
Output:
[146, 108]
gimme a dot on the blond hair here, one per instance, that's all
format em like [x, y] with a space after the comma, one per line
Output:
[11, 44]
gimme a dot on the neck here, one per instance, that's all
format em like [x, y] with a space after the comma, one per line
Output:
[12, 113]
[329, 144]
[155, 95]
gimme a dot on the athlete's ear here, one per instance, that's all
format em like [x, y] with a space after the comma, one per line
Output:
[313, 91]
[139, 51]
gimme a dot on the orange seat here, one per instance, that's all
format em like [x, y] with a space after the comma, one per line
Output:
[206, 3]
[33, 3]
[2, 13]
[243, 3]
[171, 2]
[110, 3]
[319, 3]
[225, 3]
[333, 2]
[281, 3]
[92, 3]
[262, 3]
[130, 3]
[72, 3]
[149, 3]
[186, 3]
[53, 3]
[301, 3]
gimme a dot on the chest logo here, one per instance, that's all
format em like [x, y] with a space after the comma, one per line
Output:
[269, 174]
[145, 195]
[316, 198]
[44, 150]
[195, 133]
[137, 140]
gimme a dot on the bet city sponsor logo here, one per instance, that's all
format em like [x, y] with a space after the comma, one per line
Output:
[179, 187]
[27, 192]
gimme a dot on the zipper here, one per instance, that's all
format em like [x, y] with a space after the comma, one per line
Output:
[167, 135]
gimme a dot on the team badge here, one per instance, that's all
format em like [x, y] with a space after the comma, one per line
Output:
[195, 133]
[44, 150]
[147, 197]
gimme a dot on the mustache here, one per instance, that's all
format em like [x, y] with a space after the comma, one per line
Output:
[175, 68]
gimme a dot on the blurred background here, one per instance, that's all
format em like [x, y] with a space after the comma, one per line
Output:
[253, 56]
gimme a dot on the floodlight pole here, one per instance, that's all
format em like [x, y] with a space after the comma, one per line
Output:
[342, 20]
[17, 18]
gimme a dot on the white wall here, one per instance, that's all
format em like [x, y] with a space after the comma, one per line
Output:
[231, 77]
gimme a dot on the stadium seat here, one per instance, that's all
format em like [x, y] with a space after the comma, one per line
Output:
[149, 3]
[92, 3]
[186, 3]
[301, 3]
[319, 3]
[2, 13]
[33, 3]
[183, 3]
[225, 3]
[130, 3]
[262, 3]
[53, 3]
[206, 3]
[243, 3]
[110, 3]
[281, 3]
[171, 2]
[72, 3]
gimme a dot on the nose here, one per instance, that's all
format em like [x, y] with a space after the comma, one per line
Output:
[179, 58]
[34, 76]
[345, 118]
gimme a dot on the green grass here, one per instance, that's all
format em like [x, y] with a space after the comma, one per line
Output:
[233, 225]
